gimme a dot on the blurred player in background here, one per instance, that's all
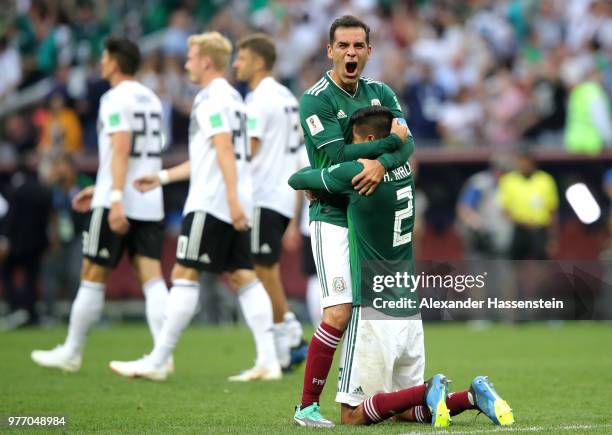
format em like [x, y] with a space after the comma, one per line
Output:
[215, 231]
[130, 145]
[325, 111]
[383, 356]
[273, 128]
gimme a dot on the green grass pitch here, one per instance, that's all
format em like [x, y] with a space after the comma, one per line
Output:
[558, 380]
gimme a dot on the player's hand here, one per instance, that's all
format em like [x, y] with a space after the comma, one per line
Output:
[117, 220]
[147, 182]
[369, 178]
[400, 128]
[292, 239]
[239, 218]
[82, 201]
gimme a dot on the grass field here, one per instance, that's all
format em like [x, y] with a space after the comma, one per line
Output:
[556, 379]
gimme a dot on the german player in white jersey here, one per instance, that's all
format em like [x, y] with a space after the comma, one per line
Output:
[275, 136]
[215, 230]
[122, 219]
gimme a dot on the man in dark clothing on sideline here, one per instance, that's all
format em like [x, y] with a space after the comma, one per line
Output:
[23, 240]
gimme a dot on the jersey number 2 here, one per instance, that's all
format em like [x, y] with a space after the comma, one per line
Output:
[400, 215]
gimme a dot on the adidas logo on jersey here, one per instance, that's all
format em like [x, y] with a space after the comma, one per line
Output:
[204, 258]
[265, 249]
[104, 253]
[341, 114]
[358, 390]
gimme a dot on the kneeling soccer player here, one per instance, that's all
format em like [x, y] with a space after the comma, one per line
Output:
[383, 358]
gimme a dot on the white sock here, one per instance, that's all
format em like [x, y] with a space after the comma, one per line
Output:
[156, 298]
[181, 306]
[257, 311]
[85, 312]
[313, 300]
[293, 329]
[281, 344]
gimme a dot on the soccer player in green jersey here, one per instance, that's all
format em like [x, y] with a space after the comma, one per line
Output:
[383, 358]
[325, 111]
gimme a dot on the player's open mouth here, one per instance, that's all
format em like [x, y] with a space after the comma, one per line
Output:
[351, 69]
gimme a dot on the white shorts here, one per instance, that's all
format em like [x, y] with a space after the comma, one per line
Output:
[379, 356]
[330, 250]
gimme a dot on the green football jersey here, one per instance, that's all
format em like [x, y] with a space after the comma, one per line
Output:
[380, 232]
[325, 113]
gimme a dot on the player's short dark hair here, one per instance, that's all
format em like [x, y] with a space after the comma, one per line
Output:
[125, 52]
[348, 21]
[262, 45]
[374, 120]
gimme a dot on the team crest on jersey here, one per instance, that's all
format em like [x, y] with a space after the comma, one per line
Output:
[375, 102]
[341, 114]
[339, 284]
[314, 124]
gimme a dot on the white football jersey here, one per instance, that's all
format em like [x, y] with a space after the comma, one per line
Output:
[218, 108]
[131, 106]
[274, 119]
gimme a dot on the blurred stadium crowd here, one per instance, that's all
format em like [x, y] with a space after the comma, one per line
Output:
[474, 74]
[469, 73]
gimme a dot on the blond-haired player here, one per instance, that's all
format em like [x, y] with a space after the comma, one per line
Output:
[215, 230]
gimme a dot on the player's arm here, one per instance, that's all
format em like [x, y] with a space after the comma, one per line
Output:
[227, 163]
[176, 173]
[335, 179]
[255, 143]
[367, 181]
[256, 117]
[121, 146]
[319, 122]
[292, 236]
[116, 119]
[399, 156]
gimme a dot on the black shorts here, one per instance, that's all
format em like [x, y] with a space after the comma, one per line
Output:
[529, 243]
[104, 247]
[308, 265]
[267, 234]
[207, 243]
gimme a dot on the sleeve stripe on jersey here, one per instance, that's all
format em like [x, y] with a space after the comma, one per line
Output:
[324, 183]
[316, 85]
[330, 141]
[318, 91]
[372, 81]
